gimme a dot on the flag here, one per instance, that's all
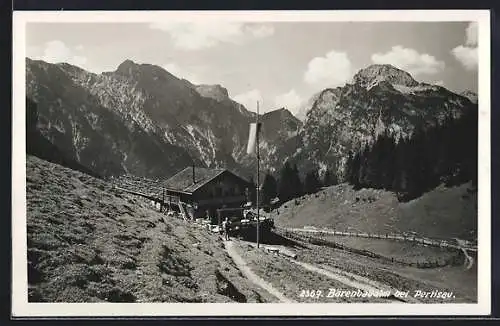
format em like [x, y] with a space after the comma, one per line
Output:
[252, 137]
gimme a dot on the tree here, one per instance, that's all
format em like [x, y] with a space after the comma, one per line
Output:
[296, 182]
[436, 153]
[365, 170]
[285, 186]
[250, 192]
[327, 178]
[351, 169]
[330, 178]
[269, 189]
[311, 182]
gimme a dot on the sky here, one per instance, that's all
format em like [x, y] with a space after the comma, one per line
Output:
[279, 64]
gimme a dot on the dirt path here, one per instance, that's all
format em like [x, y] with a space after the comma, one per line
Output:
[248, 273]
[344, 277]
[469, 261]
[352, 280]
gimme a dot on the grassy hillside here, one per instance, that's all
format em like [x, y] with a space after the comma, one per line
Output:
[450, 212]
[441, 213]
[88, 243]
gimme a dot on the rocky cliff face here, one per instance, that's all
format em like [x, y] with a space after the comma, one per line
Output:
[141, 119]
[379, 98]
[306, 107]
[216, 92]
[101, 128]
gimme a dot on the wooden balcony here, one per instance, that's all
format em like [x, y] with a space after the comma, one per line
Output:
[222, 200]
[170, 199]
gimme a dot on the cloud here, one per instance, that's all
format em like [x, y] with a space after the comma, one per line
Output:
[182, 73]
[409, 60]
[290, 100]
[332, 70]
[56, 52]
[471, 34]
[249, 100]
[260, 31]
[467, 54]
[202, 35]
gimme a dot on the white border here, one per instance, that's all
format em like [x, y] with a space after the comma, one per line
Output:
[20, 305]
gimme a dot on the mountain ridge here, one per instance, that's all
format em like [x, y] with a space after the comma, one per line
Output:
[373, 74]
[211, 129]
[184, 122]
[378, 98]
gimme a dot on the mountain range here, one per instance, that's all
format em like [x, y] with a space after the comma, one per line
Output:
[141, 119]
[378, 99]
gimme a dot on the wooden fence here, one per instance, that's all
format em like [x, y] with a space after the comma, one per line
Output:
[457, 258]
[398, 237]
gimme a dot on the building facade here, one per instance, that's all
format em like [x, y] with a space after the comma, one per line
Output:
[202, 191]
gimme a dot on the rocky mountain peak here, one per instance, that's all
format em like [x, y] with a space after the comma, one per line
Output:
[74, 71]
[374, 74]
[127, 67]
[281, 113]
[216, 92]
[280, 119]
[350, 117]
[130, 68]
[470, 95]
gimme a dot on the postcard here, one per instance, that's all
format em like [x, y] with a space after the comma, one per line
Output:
[251, 163]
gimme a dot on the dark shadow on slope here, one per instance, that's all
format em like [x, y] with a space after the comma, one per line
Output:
[226, 288]
[37, 145]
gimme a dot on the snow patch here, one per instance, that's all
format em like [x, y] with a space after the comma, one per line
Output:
[414, 89]
[404, 89]
[374, 82]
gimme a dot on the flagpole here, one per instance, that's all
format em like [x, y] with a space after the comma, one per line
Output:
[258, 174]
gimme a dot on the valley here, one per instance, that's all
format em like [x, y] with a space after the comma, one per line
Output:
[88, 242]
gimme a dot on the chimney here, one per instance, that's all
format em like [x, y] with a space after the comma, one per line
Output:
[194, 177]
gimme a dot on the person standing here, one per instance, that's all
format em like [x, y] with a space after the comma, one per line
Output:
[226, 225]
